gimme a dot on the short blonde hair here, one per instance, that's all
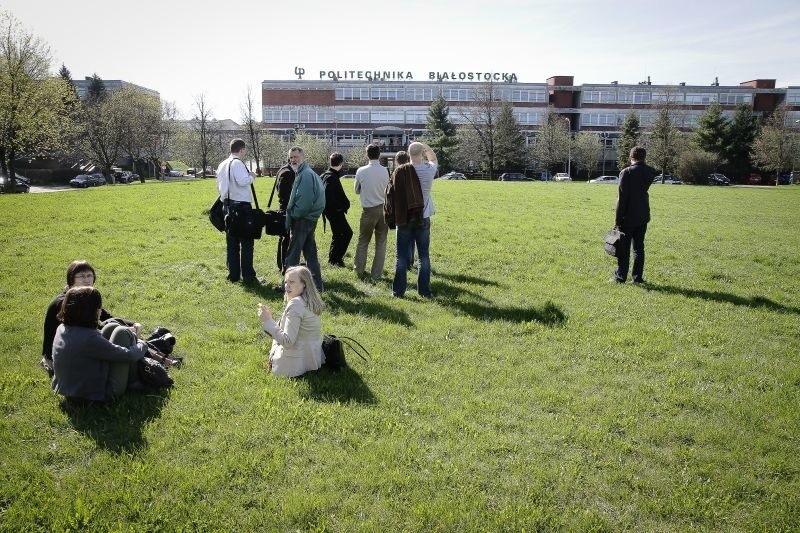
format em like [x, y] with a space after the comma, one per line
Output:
[415, 149]
[310, 294]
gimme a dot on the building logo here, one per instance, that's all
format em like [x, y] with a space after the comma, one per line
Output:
[398, 75]
[299, 71]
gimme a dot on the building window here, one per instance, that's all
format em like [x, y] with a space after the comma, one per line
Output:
[419, 95]
[394, 117]
[599, 97]
[633, 97]
[352, 116]
[528, 118]
[700, 98]
[600, 119]
[667, 96]
[792, 98]
[281, 116]
[384, 93]
[734, 99]
[352, 93]
[456, 95]
[417, 117]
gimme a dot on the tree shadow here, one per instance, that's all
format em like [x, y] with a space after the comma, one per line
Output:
[348, 298]
[755, 302]
[548, 314]
[344, 386]
[116, 427]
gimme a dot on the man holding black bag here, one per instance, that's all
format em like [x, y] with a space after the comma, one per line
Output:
[233, 184]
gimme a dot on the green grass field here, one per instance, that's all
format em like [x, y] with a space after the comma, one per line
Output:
[530, 394]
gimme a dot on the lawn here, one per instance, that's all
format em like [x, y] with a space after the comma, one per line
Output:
[529, 394]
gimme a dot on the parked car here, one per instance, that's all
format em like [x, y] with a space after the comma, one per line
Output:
[718, 179]
[81, 181]
[96, 180]
[545, 175]
[514, 176]
[126, 177]
[787, 178]
[754, 179]
[614, 180]
[668, 180]
[562, 176]
[176, 173]
[22, 184]
[453, 176]
[191, 172]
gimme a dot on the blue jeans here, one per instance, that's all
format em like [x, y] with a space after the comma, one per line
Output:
[302, 239]
[634, 236]
[409, 235]
[239, 254]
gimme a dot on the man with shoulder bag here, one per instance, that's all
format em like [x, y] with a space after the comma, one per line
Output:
[233, 184]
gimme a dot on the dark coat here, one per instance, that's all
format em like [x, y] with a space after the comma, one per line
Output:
[404, 202]
[51, 323]
[285, 181]
[336, 200]
[633, 202]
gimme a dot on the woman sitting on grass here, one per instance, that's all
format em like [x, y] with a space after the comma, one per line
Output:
[88, 364]
[79, 274]
[297, 338]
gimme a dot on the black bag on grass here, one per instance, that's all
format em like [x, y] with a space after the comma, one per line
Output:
[153, 374]
[333, 348]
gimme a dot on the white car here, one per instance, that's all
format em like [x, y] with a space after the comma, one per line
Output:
[562, 176]
[176, 173]
[614, 180]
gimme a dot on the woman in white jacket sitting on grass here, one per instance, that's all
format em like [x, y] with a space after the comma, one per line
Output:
[297, 336]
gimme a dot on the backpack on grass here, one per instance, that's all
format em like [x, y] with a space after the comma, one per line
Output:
[333, 348]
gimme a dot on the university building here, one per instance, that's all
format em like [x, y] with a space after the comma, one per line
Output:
[389, 109]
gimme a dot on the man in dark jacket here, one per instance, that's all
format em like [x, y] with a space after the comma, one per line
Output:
[633, 214]
[285, 181]
[336, 206]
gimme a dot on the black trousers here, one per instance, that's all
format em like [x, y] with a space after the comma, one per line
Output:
[341, 234]
[283, 251]
[633, 236]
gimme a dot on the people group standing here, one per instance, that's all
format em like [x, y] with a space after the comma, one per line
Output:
[370, 185]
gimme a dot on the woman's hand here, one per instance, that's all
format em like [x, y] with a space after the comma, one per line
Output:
[136, 329]
[264, 313]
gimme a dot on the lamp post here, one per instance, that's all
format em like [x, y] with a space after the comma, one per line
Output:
[604, 140]
[569, 146]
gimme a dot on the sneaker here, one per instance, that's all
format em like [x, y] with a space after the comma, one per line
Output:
[254, 281]
[339, 264]
[615, 279]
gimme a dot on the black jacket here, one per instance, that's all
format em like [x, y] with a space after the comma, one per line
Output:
[633, 202]
[336, 200]
[285, 181]
[51, 323]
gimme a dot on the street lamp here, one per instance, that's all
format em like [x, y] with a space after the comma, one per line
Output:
[569, 146]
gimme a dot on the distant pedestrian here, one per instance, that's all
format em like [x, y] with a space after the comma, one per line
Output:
[336, 206]
[306, 203]
[370, 185]
[233, 184]
[633, 214]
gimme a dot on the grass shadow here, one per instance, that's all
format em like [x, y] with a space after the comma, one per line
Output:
[344, 386]
[263, 291]
[548, 314]
[463, 278]
[116, 427]
[755, 302]
[348, 298]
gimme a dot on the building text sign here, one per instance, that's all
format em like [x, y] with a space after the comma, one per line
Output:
[404, 75]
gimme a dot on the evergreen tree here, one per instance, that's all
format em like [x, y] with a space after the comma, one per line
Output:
[712, 132]
[440, 133]
[742, 132]
[628, 139]
[509, 140]
[665, 142]
[97, 89]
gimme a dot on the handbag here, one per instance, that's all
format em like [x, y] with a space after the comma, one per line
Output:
[274, 221]
[333, 348]
[217, 214]
[153, 374]
[612, 242]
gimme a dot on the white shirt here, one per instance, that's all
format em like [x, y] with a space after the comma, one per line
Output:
[239, 182]
[370, 183]
[426, 173]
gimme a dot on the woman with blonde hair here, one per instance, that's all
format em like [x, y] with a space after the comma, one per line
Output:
[297, 335]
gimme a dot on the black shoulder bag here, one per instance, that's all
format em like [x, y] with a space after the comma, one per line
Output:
[333, 348]
[274, 221]
[243, 220]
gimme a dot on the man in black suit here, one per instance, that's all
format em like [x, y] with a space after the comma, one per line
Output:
[633, 214]
[285, 181]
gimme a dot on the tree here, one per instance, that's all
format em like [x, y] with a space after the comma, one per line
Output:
[355, 156]
[551, 146]
[140, 122]
[316, 150]
[29, 100]
[481, 118]
[253, 128]
[586, 152]
[440, 132]
[104, 128]
[96, 90]
[665, 141]
[161, 141]
[509, 141]
[713, 132]
[205, 134]
[628, 139]
[695, 164]
[274, 151]
[742, 131]
[775, 147]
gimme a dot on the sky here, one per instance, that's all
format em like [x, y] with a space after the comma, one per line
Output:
[185, 48]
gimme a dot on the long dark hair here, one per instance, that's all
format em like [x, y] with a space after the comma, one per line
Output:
[80, 307]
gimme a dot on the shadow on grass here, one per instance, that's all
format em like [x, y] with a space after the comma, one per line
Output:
[344, 386]
[548, 314]
[116, 427]
[755, 302]
[346, 297]
[463, 278]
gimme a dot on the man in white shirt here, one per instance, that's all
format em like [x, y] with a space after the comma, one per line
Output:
[425, 163]
[370, 185]
[233, 184]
